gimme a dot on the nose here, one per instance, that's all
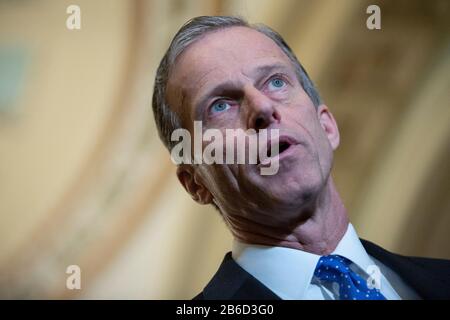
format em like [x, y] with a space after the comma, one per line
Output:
[261, 111]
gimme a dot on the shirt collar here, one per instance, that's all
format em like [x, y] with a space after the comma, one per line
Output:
[288, 272]
[351, 247]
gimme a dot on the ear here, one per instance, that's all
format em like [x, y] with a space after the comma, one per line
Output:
[192, 182]
[329, 125]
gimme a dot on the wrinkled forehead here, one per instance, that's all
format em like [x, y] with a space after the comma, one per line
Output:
[227, 54]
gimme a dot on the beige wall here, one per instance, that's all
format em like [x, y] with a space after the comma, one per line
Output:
[70, 92]
[85, 180]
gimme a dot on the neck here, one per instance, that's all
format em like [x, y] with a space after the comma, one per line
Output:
[320, 232]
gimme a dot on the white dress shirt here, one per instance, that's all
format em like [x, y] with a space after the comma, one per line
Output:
[289, 273]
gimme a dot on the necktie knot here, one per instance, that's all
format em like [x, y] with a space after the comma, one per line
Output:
[336, 269]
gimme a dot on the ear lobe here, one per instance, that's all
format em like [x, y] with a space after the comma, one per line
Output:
[190, 180]
[329, 125]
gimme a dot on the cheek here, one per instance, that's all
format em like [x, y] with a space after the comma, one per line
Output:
[324, 151]
[304, 118]
[320, 138]
[220, 180]
[306, 121]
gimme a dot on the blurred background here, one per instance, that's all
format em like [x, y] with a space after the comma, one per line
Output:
[85, 180]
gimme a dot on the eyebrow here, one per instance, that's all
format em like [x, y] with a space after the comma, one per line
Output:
[231, 85]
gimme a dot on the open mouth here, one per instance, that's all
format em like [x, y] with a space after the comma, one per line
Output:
[283, 145]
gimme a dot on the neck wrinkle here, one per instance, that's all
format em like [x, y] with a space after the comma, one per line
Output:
[319, 234]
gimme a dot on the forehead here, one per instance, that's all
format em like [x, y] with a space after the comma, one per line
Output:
[221, 55]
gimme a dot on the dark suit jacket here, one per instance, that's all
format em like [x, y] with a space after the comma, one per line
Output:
[430, 278]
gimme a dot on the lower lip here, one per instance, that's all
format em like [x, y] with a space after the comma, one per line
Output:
[286, 153]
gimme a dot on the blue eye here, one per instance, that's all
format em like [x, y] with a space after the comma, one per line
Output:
[220, 106]
[276, 83]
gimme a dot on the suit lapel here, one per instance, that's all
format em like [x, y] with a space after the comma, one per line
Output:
[232, 282]
[428, 277]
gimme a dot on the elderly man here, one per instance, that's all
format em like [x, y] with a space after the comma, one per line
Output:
[292, 236]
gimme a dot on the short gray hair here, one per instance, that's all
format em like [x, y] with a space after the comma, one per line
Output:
[166, 119]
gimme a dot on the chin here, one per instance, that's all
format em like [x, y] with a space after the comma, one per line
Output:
[293, 189]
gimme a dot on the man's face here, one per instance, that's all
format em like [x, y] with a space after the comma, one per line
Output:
[239, 78]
